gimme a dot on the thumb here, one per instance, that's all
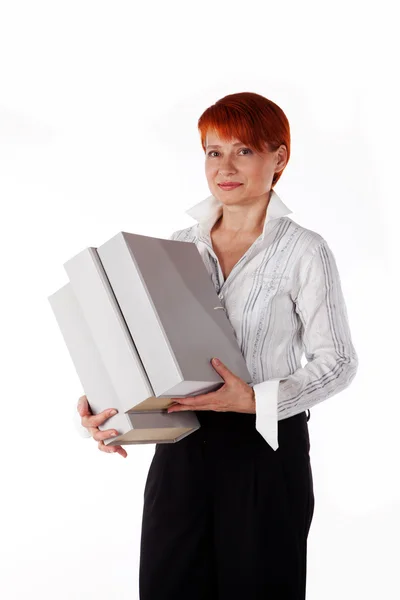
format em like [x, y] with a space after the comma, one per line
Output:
[83, 406]
[221, 368]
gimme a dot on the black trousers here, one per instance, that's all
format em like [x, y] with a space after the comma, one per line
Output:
[226, 517]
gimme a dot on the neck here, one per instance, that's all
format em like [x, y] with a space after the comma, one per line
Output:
[247, 220]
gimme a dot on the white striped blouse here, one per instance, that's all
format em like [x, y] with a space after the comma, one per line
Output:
[283, 299]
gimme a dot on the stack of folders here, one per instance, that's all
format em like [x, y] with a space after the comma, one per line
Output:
[142, 320]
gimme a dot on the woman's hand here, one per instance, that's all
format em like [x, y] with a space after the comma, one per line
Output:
[91, 422]
[234, 396]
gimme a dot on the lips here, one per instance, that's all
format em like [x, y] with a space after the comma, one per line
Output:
[229, 186]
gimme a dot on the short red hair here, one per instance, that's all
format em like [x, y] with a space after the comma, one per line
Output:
[252, 119]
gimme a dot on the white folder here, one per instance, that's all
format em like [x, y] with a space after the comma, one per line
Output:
[142, 320]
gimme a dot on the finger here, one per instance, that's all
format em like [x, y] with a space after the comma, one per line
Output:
[96, 420]
[200, 400]
[121, 451]
[109, 449]
[187, 407]
[103, 435]
[112, 449]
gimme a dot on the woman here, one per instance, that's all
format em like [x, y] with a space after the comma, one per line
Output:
[227, 510]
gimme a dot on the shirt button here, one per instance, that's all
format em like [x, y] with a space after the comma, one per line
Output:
[220, 296]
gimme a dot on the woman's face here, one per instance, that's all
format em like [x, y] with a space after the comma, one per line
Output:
[236, 162]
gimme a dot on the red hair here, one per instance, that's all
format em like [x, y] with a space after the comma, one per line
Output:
[252, 119]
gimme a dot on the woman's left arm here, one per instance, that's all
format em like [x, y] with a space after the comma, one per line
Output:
[332, 359]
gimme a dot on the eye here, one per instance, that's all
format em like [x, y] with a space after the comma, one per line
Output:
[216, 151]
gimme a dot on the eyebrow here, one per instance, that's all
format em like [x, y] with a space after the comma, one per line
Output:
[216, 145]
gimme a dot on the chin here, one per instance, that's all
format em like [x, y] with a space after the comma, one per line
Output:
[225, 198]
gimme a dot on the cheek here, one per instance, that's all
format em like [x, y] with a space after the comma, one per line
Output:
[257, 177]
[211, 174]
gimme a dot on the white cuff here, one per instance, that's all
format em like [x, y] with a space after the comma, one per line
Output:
[266, 396]
[78, 425]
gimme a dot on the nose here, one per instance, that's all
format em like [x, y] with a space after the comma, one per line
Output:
[227, 168]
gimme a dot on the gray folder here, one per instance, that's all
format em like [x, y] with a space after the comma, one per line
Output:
[141, 319]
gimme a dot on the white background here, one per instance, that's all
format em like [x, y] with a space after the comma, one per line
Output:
[99, 103]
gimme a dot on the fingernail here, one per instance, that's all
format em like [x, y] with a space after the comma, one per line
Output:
[113, 412]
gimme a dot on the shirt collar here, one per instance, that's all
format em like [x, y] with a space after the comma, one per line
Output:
[209, 210]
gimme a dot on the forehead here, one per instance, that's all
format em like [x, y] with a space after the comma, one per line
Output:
[214, 139]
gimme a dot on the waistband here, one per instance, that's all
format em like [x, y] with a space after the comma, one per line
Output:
[235, 421]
